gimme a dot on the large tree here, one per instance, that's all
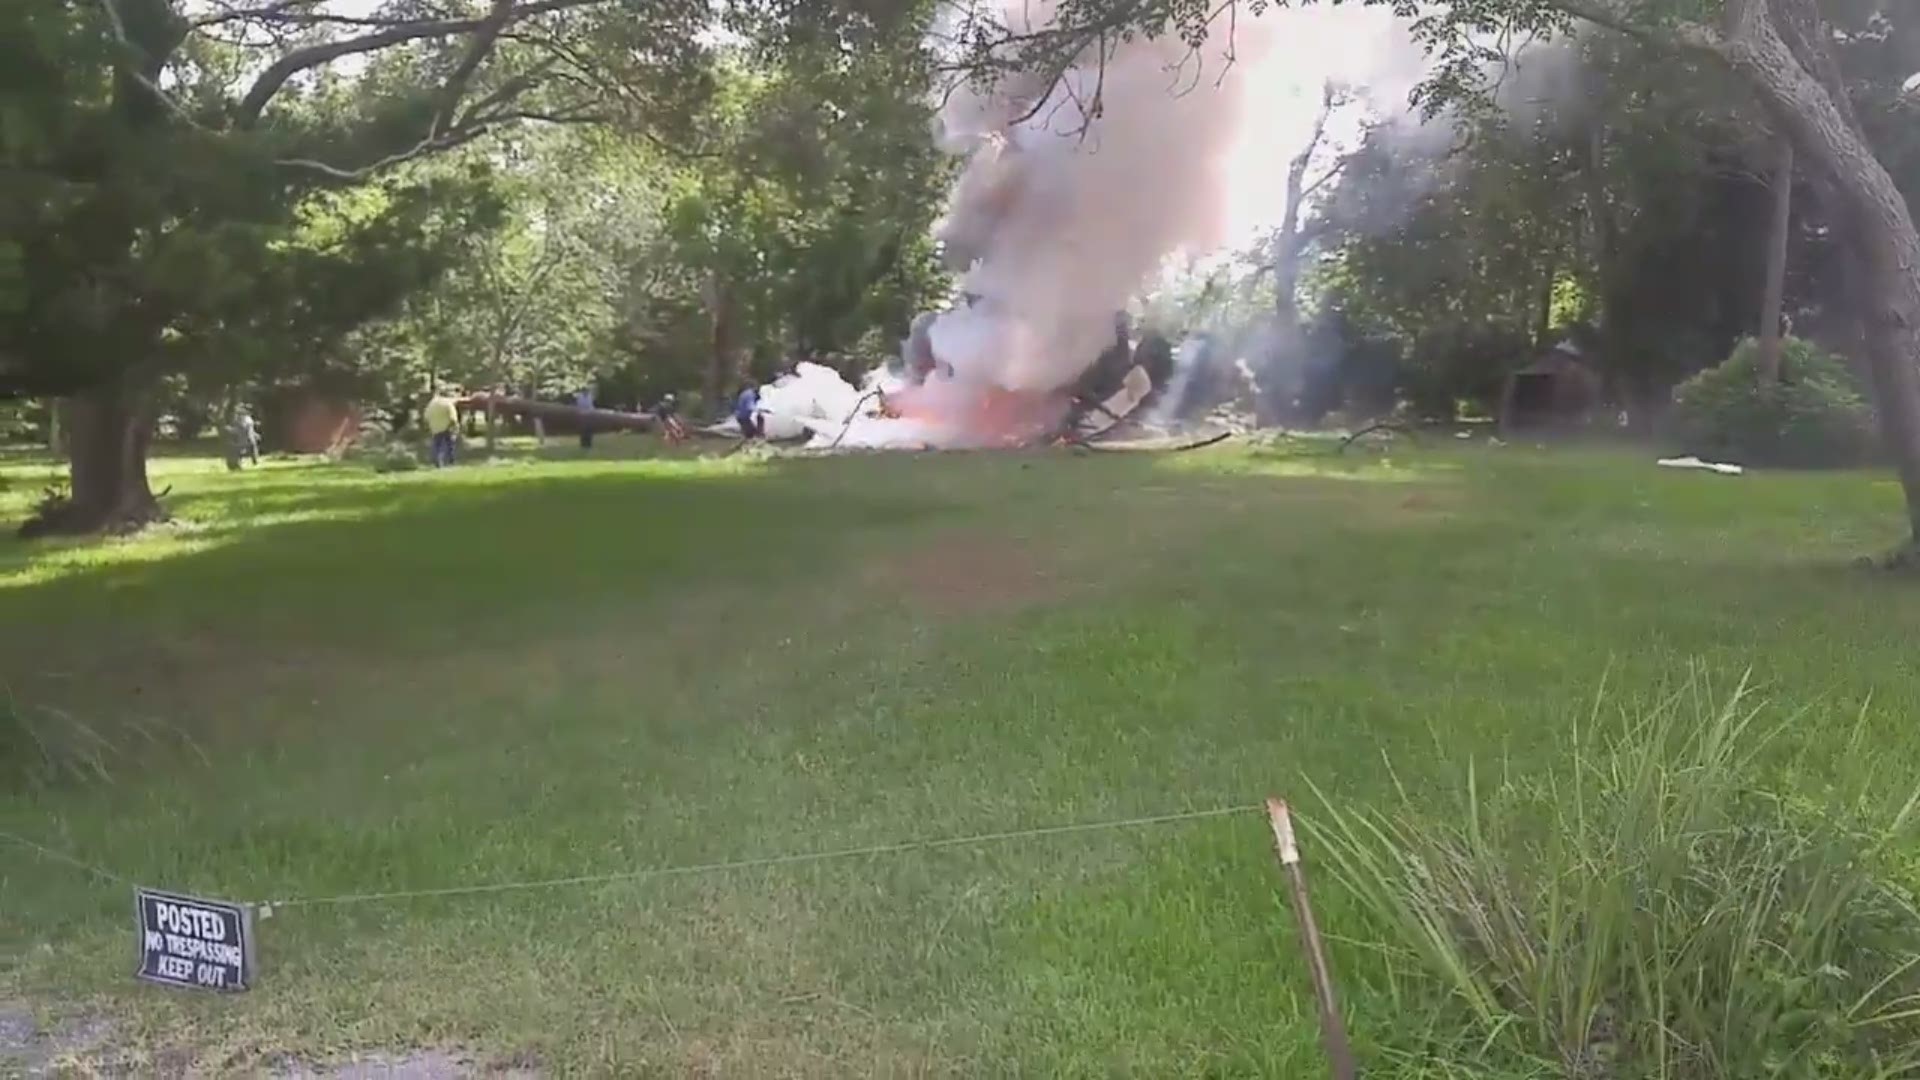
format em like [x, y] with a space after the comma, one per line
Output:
[1606, 187]
[162, 163]
[802, 229]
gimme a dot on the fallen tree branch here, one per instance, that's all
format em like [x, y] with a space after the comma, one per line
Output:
[1392, 426]
[847, 424]
[1118, 447]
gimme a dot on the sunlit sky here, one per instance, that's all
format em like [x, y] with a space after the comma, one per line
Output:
[1362, 47]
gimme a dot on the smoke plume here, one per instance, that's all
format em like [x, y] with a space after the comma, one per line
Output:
[1076, 191]
[1068, 204]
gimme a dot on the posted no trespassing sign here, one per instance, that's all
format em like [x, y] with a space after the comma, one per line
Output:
[187, 941]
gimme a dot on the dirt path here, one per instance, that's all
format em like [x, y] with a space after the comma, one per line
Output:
[83, 1046]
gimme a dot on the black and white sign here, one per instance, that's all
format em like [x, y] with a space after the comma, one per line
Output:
[185, 941]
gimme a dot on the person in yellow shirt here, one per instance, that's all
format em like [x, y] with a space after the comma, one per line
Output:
[443, 420]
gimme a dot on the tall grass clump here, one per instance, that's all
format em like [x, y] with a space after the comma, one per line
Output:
[42, 746]
[1647, 911]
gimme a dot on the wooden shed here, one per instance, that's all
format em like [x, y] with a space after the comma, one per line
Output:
[1559, 389]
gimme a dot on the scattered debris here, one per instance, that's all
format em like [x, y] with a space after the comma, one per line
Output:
[1691, 462]
[1121, 404]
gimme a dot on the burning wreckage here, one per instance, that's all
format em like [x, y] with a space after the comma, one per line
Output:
[919, 403]
[1075, 191]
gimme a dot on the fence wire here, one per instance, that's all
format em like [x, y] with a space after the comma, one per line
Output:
[267, 907]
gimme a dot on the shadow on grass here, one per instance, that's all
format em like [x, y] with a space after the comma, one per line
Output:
[340, 554]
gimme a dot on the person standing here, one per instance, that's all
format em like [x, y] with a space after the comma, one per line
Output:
[249, 436]
[243, 439]
[443, 421]
[584, 400]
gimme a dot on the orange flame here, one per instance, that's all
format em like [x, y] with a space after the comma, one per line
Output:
[988, 414]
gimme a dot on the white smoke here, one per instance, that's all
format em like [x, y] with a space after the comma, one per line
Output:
[1074, 194]
[1067, 205]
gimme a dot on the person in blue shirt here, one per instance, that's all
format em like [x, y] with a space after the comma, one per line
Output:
[746, 411]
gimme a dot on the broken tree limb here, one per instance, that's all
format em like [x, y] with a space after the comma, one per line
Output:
[847, 424]
[1157, 446]
[1394, 427]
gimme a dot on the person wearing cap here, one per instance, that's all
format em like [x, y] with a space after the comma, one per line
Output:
[668, 413]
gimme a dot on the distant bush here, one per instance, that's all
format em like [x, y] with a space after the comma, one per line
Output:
[1813, 417]
[1650, 911]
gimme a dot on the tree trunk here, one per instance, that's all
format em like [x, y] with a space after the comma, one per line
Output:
[109, 429]
[720, 304]
[1543, 316]
[1767, 366]
[1603, 239]
[1892, 267]
[1282, 378]
[493, 426]
[1819, 119]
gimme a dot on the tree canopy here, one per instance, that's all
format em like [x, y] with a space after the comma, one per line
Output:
[205, 200]
[205, 193]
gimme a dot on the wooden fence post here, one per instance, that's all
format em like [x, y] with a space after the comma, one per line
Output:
[1333, 1031]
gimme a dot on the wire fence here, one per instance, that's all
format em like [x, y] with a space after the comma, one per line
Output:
[266, 907]
[62, 857]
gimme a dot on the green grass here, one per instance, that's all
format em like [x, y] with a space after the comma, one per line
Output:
[326, 681]
[1647, 909]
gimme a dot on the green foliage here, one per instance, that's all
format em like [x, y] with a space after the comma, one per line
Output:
[1602, 178]
[797, 217]
[528, 304]
[1812, 417]
[808, 227]
[149, 239]
[1649, 911]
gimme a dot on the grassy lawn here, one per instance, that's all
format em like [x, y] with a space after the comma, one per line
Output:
[326, 681]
